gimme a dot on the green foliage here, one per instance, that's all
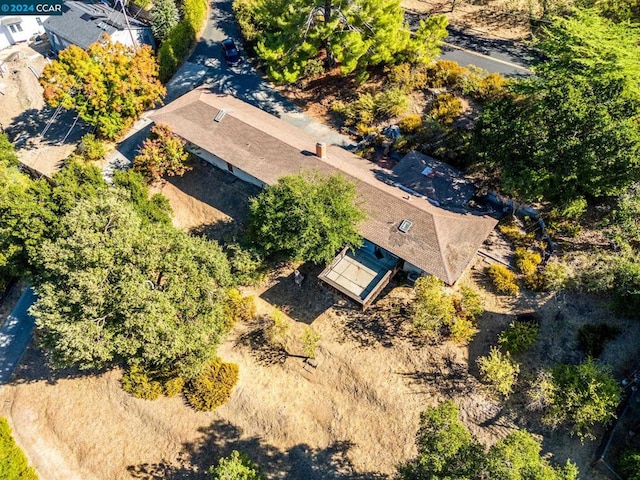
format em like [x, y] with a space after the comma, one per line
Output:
[623, 222]
[615, 10]
[593, 336]
[194, 12]
[526, 260]
[445, 108]
[213, 386]
[236, 466]
[125, 301]
[541, 392]
[584, 395]
[547, 139]
[499, 371]
[432, 308]
[162, 154]
[306, 217]
[504, 280]
[13, 463]
[277, 331]
[238, 308]
[519, 336]
[391, 102]
[91, 148]
[247, 264]
[407, 77]
[164, 17]
[310, 340]
[471, 302]
[629, 464]
[138, 383]
[555, 276]
[370, 107]
[353, 35]
[155, 209]
[108, 85]
[517, 457]
[626, 288]
[462, 330]
[446, 450]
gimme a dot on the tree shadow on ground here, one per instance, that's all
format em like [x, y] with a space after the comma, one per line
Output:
[33, 368]
[52, 129]
[300, 462]
[304, 302]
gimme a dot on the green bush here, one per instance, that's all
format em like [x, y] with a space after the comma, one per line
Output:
[13, 462]
[239, 308]
[629, 464]
[310, 340]
[499, 371]
[626, 288]
[91, 148]
[527, 261]
[236, 466]
[173, 386]
[593, 336]
[194, 12]
[462, 330]
[247, 264]
[360, 111]
[504, 280]
[139, 384]
[445, 108]
[276, 333]
[519, 336]
[213, 386]
[584, 395]
[554, 276]
[445, 73]
[471, 302]
[541, 392]
[391, 102]
[155, 209]
[407, 77]
[175, 48]
[433, 308]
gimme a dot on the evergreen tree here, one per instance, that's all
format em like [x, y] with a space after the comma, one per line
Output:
[164, 17]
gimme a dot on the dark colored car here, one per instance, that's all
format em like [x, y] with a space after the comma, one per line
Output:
[231, 54]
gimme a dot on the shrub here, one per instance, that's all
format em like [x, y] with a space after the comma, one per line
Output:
[138, 383]
[359, 111]
[161, 154]
[238, 308]
[445, 73]
[155, 209]
[554, 276]
[247, 264]
[527, 261]
[236, 466]
[629, 464]
[499, 371]
[445, 108]
[626, 288]
[194, 12]
[277, 332]
[310, 340]
[593, 336]
[462, 330]
[410, 124]
[471, 302]
[519, 336]
[504, 280]
[213, 386]
[13, 462]
[491, 87]
[407, 77]
[175, 48]
[541, 392]
[584, 395]
[391, 102]
[173, 386]
[432, 308]
[91, 148]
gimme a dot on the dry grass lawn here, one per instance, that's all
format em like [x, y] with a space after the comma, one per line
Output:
[353, 415]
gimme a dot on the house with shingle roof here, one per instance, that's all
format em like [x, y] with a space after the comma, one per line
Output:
[401, 230]
[83, 23]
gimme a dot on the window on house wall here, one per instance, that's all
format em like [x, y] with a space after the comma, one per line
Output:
[38, 21]
[15, 28]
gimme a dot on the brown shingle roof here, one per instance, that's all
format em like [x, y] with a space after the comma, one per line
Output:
[440, 242]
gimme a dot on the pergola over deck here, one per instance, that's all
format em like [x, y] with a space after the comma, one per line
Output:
[361, 275]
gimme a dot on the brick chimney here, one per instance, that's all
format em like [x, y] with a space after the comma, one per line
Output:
[321, 149]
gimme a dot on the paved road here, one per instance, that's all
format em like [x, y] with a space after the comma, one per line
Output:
[15, 335]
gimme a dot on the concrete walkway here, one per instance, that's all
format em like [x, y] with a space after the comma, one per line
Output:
[15, 335]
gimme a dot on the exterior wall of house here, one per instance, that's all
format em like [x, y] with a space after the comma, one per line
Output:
[410, 268]
[223, 165]
[20, 29]
[141, 37]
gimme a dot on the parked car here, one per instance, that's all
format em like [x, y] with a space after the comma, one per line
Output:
[231, 54]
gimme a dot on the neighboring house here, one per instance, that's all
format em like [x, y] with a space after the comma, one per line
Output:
[401, 231]
[20, 29]
[82, 24]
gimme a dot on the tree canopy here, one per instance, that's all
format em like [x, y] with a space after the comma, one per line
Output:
[306, 217]
[162, 154]
[572, 130]
[293, 36]
[236, 466]
[446, 450]
[164, 17]
[135, 293]
[109, 85]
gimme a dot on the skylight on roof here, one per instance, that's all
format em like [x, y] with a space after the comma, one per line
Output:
[405, 226]
[220, 115]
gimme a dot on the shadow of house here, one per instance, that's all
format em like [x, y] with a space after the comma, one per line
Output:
[300, 462]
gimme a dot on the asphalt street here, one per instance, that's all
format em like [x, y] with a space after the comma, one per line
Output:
[15, 335]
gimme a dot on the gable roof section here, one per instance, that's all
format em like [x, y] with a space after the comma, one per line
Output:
[440, 242]
[83, 23]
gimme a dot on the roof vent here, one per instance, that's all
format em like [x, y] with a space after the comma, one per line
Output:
[220, 115]
[405, 226]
